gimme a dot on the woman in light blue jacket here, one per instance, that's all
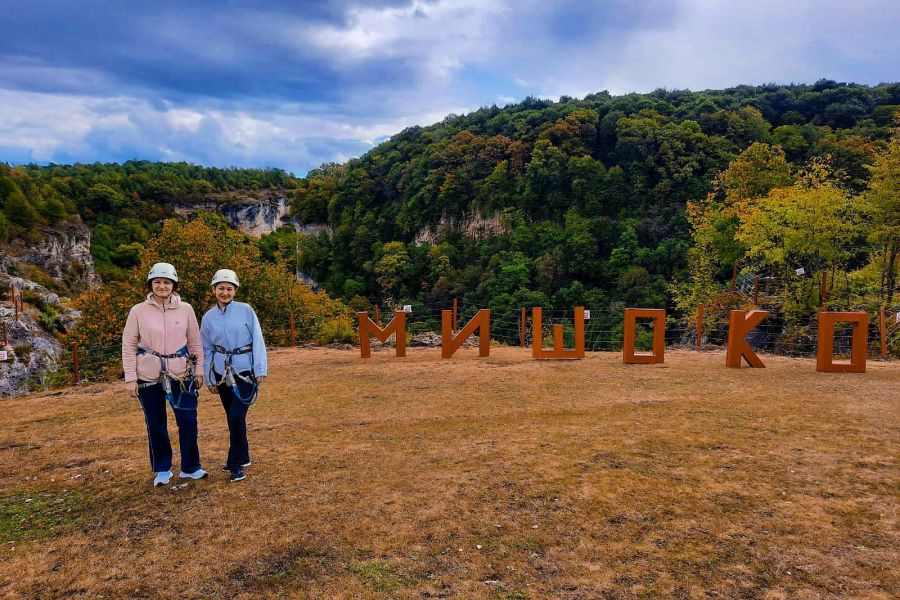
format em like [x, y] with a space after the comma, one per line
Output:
[235, 354]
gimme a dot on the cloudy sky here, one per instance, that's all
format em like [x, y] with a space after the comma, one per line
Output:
[295, 84]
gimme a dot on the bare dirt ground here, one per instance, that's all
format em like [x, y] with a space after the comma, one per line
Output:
[500, 478]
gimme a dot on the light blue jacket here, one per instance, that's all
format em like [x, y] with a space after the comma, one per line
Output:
[233, 327]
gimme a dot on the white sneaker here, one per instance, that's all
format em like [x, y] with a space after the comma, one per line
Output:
[225, 468]
[162, 478]
[198, 474]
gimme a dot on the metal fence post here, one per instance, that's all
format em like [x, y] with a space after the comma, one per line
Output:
[882, 321]
[293, 332]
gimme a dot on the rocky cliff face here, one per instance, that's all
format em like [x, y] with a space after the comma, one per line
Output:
[476, 226]
[61, 259]
[35, 356]
[253, 216]
[64, 253]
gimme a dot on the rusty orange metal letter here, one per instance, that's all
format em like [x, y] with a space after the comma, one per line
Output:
[559, 349]
[367, 327]
[742, 323]
[629, 356]
[825, 355]
[450, 343]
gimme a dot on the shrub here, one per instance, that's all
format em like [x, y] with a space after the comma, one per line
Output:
[340, 330]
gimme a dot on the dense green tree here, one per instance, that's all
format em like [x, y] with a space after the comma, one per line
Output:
[19, 211]
[883, 206]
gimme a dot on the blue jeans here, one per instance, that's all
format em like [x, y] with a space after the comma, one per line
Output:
[153, 401]
[236, 412]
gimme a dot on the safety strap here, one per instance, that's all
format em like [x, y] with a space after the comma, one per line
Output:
[230, 375]
[188, 384]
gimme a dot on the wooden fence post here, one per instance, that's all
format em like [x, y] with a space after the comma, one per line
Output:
[756, 290]
[76, 372]
[699, 325]
[522, 328]
[377, 316]
[882, 321]
[293, 332]
[5, 335]
[455, 318]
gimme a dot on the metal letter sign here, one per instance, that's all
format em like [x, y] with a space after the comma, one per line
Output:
[742, 323]
[450, 343]
[658, 315]
[559, 349]
[825, 355]
[367, 327]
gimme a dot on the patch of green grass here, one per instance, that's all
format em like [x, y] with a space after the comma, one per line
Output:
[37, 515]
[511, 596]
[528, 544]
[379, 576]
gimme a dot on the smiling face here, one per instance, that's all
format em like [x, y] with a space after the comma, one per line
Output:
[162, 287]
[224, 292]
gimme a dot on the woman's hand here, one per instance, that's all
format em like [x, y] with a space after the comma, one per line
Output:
[199, 380]
[260, 379]
[213, 389]
[132, 388]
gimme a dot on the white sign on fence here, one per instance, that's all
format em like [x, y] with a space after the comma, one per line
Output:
[898, 317]
[4, 355]
[407, 308]
[800, 271]
[587, 315]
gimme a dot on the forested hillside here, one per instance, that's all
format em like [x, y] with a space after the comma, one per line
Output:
[592, 193]
[580, 201]
[122, 204]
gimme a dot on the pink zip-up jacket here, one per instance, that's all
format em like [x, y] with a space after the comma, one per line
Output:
[164, 330]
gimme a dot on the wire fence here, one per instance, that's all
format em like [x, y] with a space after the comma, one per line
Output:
[604, 330]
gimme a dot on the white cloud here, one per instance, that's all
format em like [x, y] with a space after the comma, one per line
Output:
[54, 128]
[447, 56]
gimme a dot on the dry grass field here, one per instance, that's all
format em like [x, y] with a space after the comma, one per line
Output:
[499, 478]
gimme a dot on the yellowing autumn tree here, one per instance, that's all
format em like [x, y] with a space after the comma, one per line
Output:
[883, 204]
[810, 225]
[198, 249]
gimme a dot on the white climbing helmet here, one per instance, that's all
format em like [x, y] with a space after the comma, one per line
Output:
[225, 276]
[164, 270]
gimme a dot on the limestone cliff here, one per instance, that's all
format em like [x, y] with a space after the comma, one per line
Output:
[475, 226]
[64, 253]
[254, 215]
[58, 263]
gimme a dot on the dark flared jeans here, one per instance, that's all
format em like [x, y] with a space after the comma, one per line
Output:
[236, 412]
[153, 401]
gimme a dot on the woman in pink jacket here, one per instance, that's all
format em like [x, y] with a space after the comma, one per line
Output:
[163, 359]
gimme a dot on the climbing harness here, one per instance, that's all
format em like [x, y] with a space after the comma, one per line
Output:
[230, 377]
[189, 392]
